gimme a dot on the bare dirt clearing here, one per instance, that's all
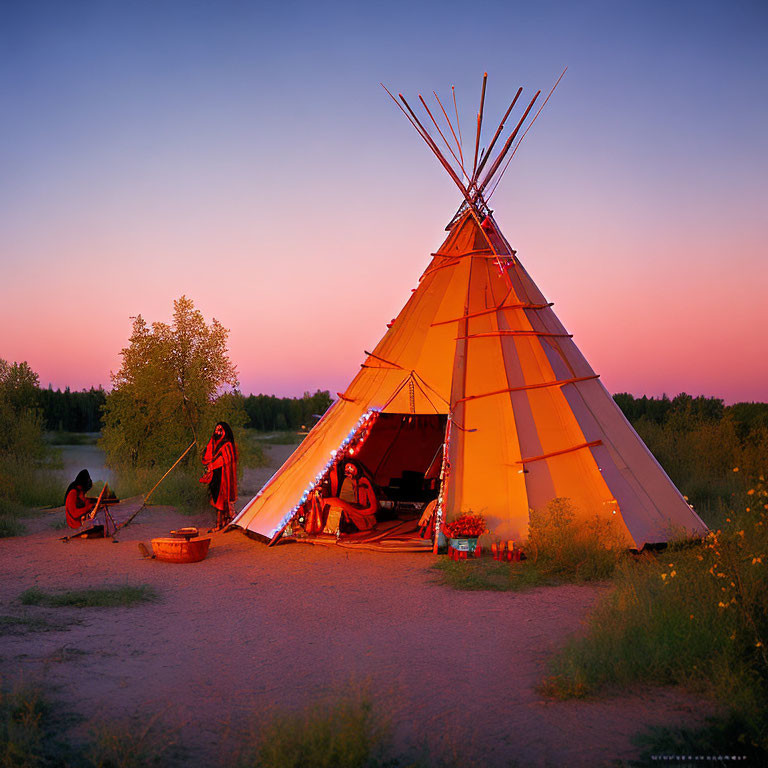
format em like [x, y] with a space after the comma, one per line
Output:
[252, 628]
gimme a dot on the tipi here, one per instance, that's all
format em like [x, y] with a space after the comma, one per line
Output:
[477, 397]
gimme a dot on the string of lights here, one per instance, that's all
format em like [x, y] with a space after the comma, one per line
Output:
[444, 472]
[348, 448]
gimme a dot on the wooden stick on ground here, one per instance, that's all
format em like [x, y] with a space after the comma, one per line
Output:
[152, 490]
[175, 464]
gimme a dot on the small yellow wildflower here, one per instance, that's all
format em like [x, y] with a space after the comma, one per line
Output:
[758, 644]
[672, 574]
[748, 510]
[756, 560]
[750, 492]
[691, 616]
[663, 576]
[727, 519]
[732, 584]
[741, 533]
[722, 605]
[735, 469]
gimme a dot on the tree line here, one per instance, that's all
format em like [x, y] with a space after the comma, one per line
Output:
[69, 411]
[686, 410]
[709, 449]
[81, 411]
[268, 413]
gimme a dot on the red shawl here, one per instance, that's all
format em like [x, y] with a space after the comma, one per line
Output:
[221, 455]
[76, 507]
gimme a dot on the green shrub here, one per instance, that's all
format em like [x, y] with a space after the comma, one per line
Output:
[139, 744]
[31, 737]
[568, 549]
[10, 511]
[10, 526]
[21, 731]
[40, 487]
[560, 550]
[693, 614]
[345, 733]
[32, 488]
[29, 732]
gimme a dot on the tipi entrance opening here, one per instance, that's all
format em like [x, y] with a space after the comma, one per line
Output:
[403, 455]
[401, 458]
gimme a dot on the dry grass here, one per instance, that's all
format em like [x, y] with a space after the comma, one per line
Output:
[104, 597]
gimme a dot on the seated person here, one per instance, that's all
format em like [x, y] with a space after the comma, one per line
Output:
[77, 505]
[356, 500]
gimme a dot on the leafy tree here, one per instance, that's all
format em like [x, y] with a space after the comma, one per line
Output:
[175, 381]
[20, 422]
[22, 449]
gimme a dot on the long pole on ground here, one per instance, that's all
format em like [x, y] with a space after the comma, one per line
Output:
[152, 490]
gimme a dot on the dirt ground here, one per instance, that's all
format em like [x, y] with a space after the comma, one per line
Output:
[251, 628]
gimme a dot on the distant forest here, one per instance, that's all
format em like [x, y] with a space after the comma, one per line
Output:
[81, 411]
[69, 411]
[747, 417]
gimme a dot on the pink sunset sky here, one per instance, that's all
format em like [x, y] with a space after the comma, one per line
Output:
[247, 158]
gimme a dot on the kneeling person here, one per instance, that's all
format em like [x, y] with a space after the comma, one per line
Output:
[77, 506]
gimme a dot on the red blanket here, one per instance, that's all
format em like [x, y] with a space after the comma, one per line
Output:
[221, 455]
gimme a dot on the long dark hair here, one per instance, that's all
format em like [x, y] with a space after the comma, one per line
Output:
[362, 471]
[82, 481]
[228, 436]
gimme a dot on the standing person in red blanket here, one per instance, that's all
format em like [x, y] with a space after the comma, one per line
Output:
[220, 460]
